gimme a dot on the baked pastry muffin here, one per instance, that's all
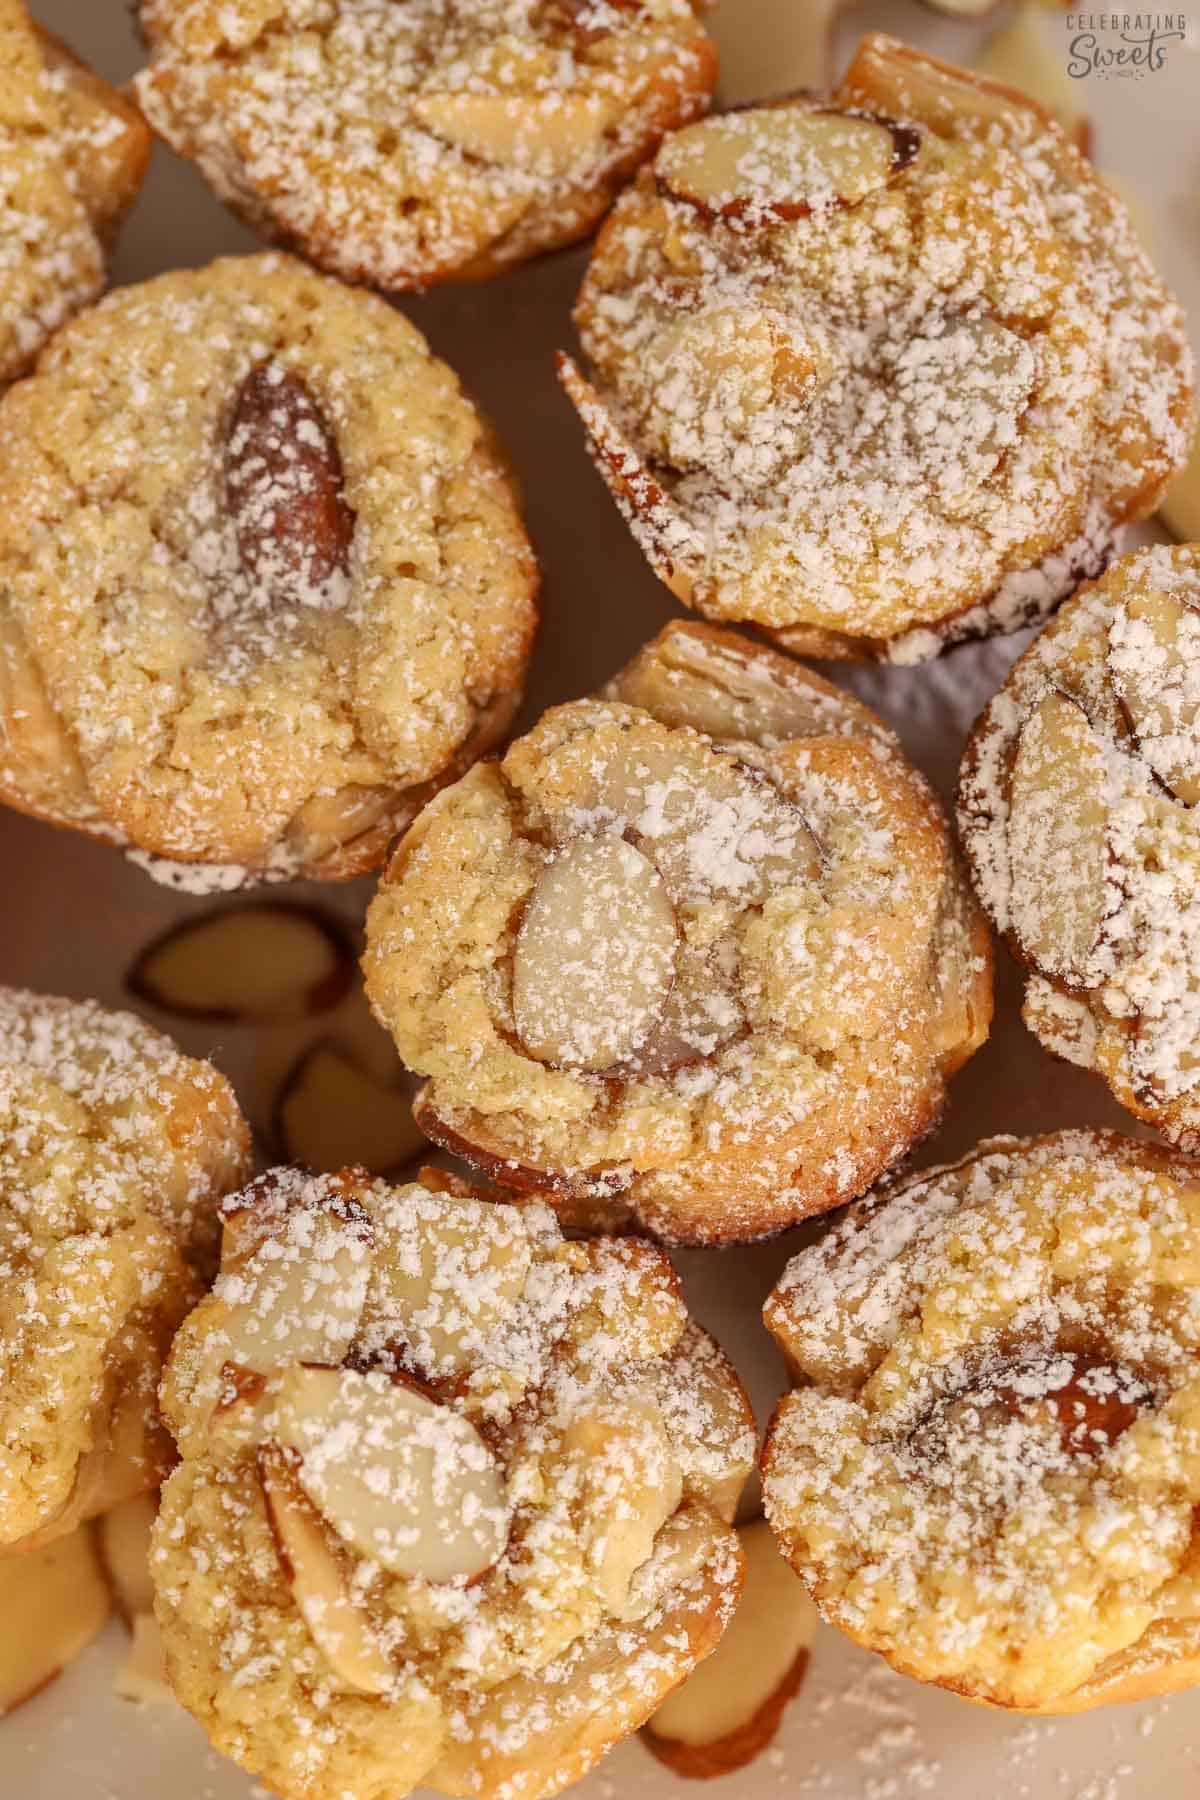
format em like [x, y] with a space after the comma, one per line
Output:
[455, 1500]
[696, 953]
[72, 155]
[988, 1471]
[114, 1150]
[400, 145]
[263, 582]
[880, 372]
[1077, 810]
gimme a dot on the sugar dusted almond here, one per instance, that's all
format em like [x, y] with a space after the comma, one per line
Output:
[783, 162]
[631, 1485]
[1154, 658]
[298, 1297]
[728, 1711]
[267, 961]
[339, 1628]
[123, 1540]
[594, 956]
[638, 1310]
[332, 1112]
[53, 1601]
[399, 1477]
[284, 487]
[513, 128]
[895, 79]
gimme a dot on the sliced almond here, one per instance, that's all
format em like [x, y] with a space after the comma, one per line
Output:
[594, 957]
[638, 1310]
[896, 79]
[447, 1273]
[400, 1478]
[630, 1483]
[142, 1678]
[340, 1629]
[53, 1601]
[728, 1711]
[1058, 839]
[124, 1545]
[1024, 56]
[331, 1112]
[530, 132]
[268, 961]
[1180, 511]
[298, 1297]
[1154, 658]
[783, 162]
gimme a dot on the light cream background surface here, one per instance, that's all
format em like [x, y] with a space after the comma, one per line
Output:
[73, 915]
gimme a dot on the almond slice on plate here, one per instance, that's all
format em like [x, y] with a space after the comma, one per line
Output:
[124, 1544]
[53, 1601]
[514, 128]
[594, 957]
[1058, 839]
[400, 1478]
[267, 961]
[340, 1629]
[728, 1711]
[783, 162]
[331, 1112]
[630, 1485]
[1154, 659]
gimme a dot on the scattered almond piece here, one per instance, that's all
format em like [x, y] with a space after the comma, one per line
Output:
[1058, 838]
[631, 1486]
[1154, 659]
[332, 1113]
[1180, 511]
[340, 1629]
[53, 1602]
[726, 1713]
[124, 1543]
[142, 1677]
[243, 963]
[295, 1296]
[425, 1498]
[595, 955]
[1023, 56]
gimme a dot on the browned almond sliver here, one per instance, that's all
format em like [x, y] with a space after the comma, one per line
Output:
[400, 1478]
[268, 961]
[53, 1601]
[339, 1628]
[727, 1712]
[595, 955]
[284, 487]
[1154, 658]
[783, 162]
[331, 1112]
[1058, 839]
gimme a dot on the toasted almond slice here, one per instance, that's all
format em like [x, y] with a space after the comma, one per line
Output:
[297, 1297]
[142, 1678]
[1180, 511]
[782, 162]
[1154, 658]
[1025, 57]
[444, 1281]
[630, 1484]
[267, 961]
[1058, 839]
[401, 1479]
[340, 1629]
[897, 79]
[556, 130]
[124, 1544]
[727, 1712]
[331, 1112]
[595, 955]
[53, 1601]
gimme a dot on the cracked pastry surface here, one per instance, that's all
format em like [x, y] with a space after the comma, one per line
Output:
[72, 155]
[400, 145]
[878, 372]
[455, 1500]
[263, 582]
[1077, 807]
[697, 952]
[114, 1150]
[989, 1469]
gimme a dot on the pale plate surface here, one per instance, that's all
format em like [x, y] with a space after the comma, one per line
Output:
[74, 915]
